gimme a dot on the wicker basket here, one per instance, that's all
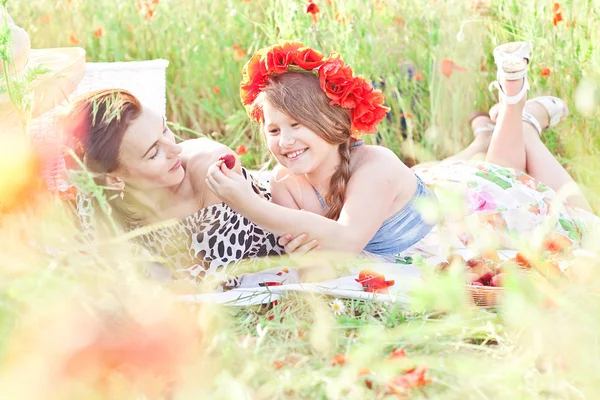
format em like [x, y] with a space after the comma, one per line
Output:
[485, 296]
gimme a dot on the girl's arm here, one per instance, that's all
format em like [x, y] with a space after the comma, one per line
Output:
[368, 201]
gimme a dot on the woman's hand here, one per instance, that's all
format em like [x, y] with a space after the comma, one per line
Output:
[229, 186]
[298, 245]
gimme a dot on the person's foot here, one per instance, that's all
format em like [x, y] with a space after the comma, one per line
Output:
[482, 128]
[512, 60]
[533, 107]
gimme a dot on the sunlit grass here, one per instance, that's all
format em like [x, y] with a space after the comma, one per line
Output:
[542, 342]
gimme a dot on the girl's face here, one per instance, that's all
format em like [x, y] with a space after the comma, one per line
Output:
[295, 147]
[148, 156]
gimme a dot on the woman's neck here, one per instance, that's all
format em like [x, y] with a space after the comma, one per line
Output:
[162, 202]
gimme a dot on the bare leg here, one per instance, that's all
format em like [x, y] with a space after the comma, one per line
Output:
[544, 167]
[540, 162]
[507, 147]
[480, 143]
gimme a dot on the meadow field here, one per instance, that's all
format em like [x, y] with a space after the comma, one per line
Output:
[73, 313]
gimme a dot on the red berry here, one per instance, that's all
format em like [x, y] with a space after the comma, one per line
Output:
[228, 159]
[496, 281]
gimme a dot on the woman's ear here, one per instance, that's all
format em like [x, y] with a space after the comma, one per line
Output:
[113, 182]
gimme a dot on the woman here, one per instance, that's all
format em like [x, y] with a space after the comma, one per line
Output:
[352, 197]
[132, 154]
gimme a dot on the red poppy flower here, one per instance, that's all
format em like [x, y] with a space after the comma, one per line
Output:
[73, 39]
[411, 379]
[216, 90]
[337, 81]
[545, 72]
[313, 9]
[98, 33]
[557, 14]
[241, 150]
[307, 58]
[253, 78]
[449, 66]
[369, 112]
[373, 282]
[397, 354]
[338, 359]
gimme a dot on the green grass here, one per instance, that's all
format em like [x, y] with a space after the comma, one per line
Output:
[527, 350]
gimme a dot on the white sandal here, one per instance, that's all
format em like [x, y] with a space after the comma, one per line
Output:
[556, 108]
[488, 127]
[512, 60]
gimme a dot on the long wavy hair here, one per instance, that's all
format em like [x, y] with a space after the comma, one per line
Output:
[299, 95]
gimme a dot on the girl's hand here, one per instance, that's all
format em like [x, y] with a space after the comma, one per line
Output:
[229, 186]
[298, 245]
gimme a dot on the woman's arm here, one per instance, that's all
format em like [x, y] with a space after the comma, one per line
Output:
[368, 203]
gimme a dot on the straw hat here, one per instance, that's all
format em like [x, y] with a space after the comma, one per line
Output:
[62, 70]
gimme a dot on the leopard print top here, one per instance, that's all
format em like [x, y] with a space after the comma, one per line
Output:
[211, 241]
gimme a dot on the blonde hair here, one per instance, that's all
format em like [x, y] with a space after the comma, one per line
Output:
[299, 95]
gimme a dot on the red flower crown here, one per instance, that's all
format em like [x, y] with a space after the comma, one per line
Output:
[336, 78]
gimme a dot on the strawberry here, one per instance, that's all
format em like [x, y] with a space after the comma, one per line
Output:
[477, 283]
[373, 282]
[228, 159]
[497, 280]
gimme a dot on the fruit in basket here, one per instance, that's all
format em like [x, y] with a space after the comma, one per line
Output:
[477, 283]
[491, 255]
[497, 280]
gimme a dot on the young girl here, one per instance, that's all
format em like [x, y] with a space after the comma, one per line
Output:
[351, 197]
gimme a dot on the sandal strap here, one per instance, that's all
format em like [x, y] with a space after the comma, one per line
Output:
[489, 127]
[533, 121]
[556, 108]
[515, 98]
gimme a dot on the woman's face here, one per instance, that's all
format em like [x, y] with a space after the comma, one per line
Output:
[148, 156]
[295, 147]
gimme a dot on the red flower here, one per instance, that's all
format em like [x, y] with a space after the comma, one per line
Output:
[73, 39]
[369, 112]
[411, 379]
[545, 72]
[449, 66]
[307, 58]
[337, 82]
[278, 58]
[373, 282]
[338, 359]
[216, 89]
[239, 52]
[253, 78]
[396, 354]
[557, 14]
[98, 33]
[241, 150]
[313, 9]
